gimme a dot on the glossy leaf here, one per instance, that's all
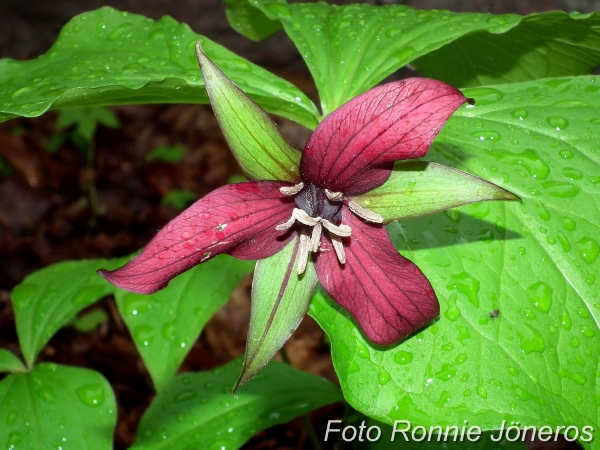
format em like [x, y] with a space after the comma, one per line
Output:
[259, 147]
[51, 297]
[518, 336]
[108, 57]
[550, 44]
[9, 362]
[280, 298]
[350, 48]
[165, 325]
[388, 295]
[351, 151]
[197, 410]
[420, 188]
[57, 406]
[237, 219]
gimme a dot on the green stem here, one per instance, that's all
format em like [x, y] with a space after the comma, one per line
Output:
[310, 429]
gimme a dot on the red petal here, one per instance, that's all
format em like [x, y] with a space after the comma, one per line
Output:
[387, 294]
[238, 219]
[351, 150]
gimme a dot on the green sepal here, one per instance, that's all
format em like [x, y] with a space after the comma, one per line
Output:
[10, 363]
[280, 299]
[260, 149]
[418, 188]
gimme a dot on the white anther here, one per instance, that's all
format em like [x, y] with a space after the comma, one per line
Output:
[315, 239]
[303, 250]
[334, 196]
[291, 190]
[286, 225]
[364, 213]
[303, 217]
[338, 246]
[341, 230]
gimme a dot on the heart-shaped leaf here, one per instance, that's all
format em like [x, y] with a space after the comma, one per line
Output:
[108, 57]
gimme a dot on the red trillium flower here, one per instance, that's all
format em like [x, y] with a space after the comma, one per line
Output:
[316, 223]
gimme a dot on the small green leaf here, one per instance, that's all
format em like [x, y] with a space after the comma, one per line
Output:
[164, 325]
[258, 145]
[90, 321]
[250, 21]
[280, 298]
[57, 406]
[108, 57]
[9, 362]
[51, 297]
[166, 153]
[197, 410]
[550, 44]
[418, 188]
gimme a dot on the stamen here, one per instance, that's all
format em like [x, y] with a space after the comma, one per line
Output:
[341, 230]
[291, 190]
[315, 239]
[303, 217]
[338, 247]
[364, 213]
[334, 196]
[286, 225]
[303, 251]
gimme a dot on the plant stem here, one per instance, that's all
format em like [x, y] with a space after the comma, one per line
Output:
[310, 429]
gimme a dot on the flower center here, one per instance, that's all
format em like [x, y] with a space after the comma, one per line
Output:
[318, 208]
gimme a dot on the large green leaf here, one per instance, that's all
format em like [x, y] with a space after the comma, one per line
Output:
[350, 48]
[535, 359]
[51, 297]
[108, 57]
[57, 406]
[197, 410]
[552, 44]
[164, 325]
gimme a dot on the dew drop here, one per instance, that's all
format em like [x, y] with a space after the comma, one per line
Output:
[465, 283]
[143, 334]
[184, 396]
[558, 123]
[540, 296]
[520, 114]
[571, 173]
[46, 393]
[481, 391]
[485, 96]
[561, 189]
[566, 154]
[446, 372]
[486, 135]
[588, 249]
[91, 394]
[403, 357]
[362, 350]
[384, 377]
[120, 31]
[533, 342]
